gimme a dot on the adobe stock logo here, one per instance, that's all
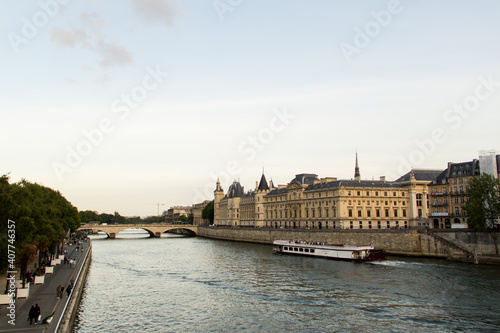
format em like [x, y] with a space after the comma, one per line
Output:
[31, 28]
[372, 29]
[453, 118]
[121, 107]
[223, 6]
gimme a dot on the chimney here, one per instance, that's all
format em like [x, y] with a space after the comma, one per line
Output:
[382, 179]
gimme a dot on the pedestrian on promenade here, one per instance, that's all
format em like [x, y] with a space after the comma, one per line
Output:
[68, 289]
[60, 290]
[32, 315]
[37, 313]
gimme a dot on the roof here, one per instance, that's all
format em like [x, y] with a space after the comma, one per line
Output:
[263, 184]
[421, 174]
[235, 190]
[455, 170]
[305, 178]
[463, 169]
[354, 183]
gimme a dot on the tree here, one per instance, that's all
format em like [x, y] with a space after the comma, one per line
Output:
[42, 217]
[483, 205]
[208, 212]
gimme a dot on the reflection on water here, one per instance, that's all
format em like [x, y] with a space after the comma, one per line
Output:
[178, 284]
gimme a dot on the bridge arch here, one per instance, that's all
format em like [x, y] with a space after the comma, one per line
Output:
[154, 230]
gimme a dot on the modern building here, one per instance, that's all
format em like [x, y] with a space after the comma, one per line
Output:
[489, 163]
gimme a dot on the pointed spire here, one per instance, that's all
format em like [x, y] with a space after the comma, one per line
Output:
[263, 184]
[357, 175]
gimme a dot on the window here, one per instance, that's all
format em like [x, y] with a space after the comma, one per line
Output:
[404, 212]
[359, 193]
[393, 194]
[388, 225]
[386, 213]
[377, 212]
[385, 194]
[352, 225]
[360, 225]
[376, 194]
[359, 213]
[379, 225]
[369, 213]
[419, 200]
[395, 213]
[348, 192]
[457, 211]
[350, 213]
[369, 224]
[367, 193]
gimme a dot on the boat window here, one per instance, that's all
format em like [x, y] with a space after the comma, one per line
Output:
[306, 250]
[295, 249]
[312, 250]
[286, 248]
[301, 250]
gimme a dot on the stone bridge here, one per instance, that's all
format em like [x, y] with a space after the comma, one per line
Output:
[154, 230]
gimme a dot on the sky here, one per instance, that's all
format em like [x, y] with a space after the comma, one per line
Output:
[139, 105]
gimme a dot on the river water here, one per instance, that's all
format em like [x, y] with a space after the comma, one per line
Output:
[178, 284]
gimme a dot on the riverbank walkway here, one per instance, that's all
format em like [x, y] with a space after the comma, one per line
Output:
[45, 295]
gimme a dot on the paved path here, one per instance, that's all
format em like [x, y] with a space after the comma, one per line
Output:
[46, 297]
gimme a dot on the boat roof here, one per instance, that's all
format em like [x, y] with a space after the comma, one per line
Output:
[328, 246]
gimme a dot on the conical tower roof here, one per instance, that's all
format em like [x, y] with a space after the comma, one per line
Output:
[263, 184]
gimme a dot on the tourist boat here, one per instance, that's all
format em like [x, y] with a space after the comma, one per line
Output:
[319, 249]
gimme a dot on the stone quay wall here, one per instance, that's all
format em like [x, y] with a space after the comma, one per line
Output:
[405, 242]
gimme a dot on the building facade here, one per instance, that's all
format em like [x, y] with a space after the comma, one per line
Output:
[174, 213]
[313, 203]
[197, 210]
[449, 193]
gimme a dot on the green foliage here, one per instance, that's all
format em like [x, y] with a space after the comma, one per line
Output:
[483, 205]
[208, 212]
[88, 216]
[42, 216]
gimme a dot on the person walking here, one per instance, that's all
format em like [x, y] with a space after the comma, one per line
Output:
[60, 290]
[32, 315]
[37, 313]
[68, 289]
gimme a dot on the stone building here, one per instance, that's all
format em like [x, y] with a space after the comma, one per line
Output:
[327, 203]
[197, 210]
[174, 213]
[448, 193]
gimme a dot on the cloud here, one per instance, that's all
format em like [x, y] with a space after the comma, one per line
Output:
[113, 55]
[91, 37]
[68, 38]
[158, 10]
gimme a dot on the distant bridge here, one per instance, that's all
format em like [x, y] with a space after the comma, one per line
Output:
[154, 230]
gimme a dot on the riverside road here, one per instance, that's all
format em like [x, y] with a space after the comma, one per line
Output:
[45, 296]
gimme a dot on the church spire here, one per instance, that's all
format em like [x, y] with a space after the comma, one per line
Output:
[357, 175]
